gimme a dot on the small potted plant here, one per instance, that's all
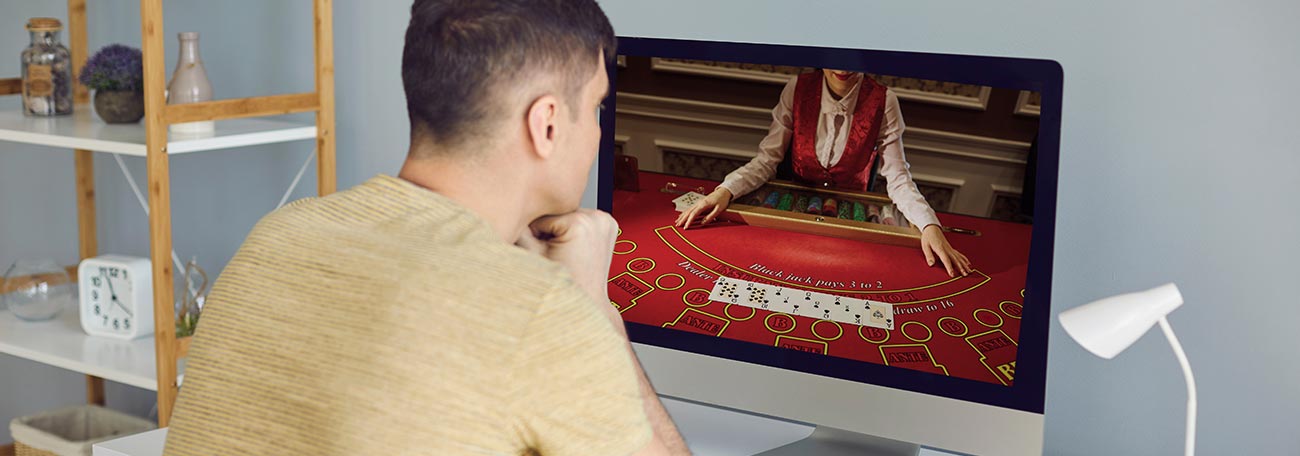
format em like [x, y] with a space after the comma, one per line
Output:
[116, 73]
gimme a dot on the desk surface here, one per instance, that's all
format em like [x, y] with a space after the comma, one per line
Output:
[142, 444]
[708, 431]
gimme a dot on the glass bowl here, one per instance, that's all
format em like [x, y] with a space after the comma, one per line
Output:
[36, 290]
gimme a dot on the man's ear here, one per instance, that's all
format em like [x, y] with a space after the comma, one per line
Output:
[543, 115]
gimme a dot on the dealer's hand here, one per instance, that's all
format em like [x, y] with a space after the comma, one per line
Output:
[709, 207]
[934, 244]
[582, 241]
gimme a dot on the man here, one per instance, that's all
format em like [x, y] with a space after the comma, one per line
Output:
[402, 316]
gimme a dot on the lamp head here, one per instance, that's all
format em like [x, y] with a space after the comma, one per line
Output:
[1108, 326]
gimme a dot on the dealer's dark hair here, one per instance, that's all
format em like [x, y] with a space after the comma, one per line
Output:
[462, 56]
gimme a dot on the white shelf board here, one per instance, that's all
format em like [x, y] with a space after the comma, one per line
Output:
[61, 343]
[84, 130]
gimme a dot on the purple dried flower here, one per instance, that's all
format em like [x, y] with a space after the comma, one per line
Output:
[115, 67]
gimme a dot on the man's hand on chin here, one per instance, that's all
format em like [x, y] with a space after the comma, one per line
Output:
[582, 241]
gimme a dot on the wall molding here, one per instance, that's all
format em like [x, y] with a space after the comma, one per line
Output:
[739, 74]
[939, 181]
[965, 146]
[977, 103]
[1024, 108]
[918, 140]
[693, 111]
[1006, 190]
[702, 149]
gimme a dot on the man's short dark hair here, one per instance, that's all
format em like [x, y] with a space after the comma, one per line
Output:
[461, 55]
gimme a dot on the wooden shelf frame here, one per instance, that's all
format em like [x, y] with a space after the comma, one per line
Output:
[168, 350]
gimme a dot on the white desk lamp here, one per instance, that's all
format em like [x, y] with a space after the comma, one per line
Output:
[1108, 326]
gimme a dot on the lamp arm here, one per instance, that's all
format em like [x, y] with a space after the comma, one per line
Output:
[1191, 385]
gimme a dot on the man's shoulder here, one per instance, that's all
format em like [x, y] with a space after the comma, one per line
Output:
[382, 210]
[494, 264]
[296, 218]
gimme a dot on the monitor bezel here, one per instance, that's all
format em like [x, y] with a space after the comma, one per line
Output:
[1027, 393]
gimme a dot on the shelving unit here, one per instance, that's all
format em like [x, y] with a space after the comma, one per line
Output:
[153, 363]
[82, 130]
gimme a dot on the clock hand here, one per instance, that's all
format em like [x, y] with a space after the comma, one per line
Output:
[123, 306]
[114, 295]
[104, 274]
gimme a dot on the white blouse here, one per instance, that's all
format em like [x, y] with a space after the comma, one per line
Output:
[832, 135]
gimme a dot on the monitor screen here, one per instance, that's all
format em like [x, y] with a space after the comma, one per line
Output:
[843, 185]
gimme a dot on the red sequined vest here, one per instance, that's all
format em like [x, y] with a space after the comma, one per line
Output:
[853, 170]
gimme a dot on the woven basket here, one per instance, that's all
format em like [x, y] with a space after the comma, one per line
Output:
[71, 431]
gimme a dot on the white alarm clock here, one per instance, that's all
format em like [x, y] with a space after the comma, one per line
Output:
[116, 294]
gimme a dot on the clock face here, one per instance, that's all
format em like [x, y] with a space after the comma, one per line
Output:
[111, 299]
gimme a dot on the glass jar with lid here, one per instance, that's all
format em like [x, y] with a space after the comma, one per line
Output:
[46, 70]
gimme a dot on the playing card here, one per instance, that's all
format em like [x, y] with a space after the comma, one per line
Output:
[883, 313]
[798, 301]
[687, 200]
[726, 290]
[878, 314]
[825, 307]
[756, 295]
[783, 305]
[861, 313]
[779, 299]
[811, 304]
[841, 309]
[763, 296]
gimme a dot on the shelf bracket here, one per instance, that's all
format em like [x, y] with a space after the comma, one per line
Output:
[144, 204]
[294, 184]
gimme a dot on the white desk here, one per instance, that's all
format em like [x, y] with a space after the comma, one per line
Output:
[708, 431]
[711, 431]
[142, 444]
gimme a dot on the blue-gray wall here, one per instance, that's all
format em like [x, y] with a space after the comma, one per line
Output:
[1178, 163]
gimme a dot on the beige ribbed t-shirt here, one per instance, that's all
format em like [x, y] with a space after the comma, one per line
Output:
[387, 319]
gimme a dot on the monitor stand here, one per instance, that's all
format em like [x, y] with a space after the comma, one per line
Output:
[828, 441]
[717, 431]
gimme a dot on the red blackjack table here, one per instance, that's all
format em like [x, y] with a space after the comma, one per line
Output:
[965, 327]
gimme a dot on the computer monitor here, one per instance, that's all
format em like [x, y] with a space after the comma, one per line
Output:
[810, 298]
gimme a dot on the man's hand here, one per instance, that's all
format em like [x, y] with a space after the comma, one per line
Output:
[582, 241]
[933, 243]
[709, 207]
